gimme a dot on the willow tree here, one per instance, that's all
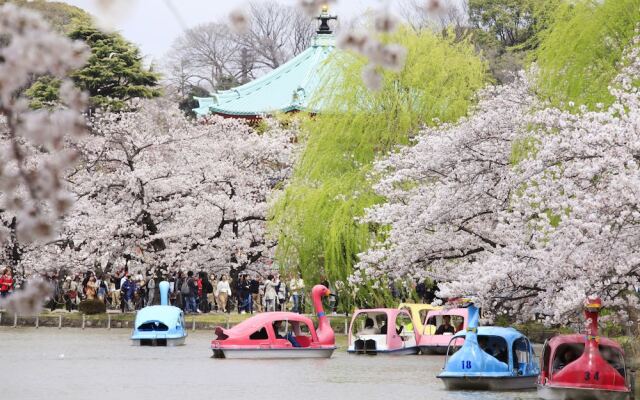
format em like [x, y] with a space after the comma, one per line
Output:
[316, 217]
[579, 54]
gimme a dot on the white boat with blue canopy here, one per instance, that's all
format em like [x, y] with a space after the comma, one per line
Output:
[489, 358]
[161, 325]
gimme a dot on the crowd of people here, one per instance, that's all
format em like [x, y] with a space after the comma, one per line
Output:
[193, 292]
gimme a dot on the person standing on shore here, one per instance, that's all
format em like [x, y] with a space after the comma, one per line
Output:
[6, 282]
[254, 288]
[270, 294]
[244, 295]
[66, 289]
[103, 288]
[114, 294]
[212, 297]
[297, 293]
[74, 293]
[127, 291]
[281, 289]
[189, 290]
[204, 288]
[223, 292]
[173, 292]
[91, 288]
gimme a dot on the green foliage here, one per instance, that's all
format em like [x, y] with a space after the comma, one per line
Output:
[91, 307]
[505, 30]
[113, 75]
[44, 92]
[62, 17]
[522, 149]
[511, 22]
[188, 103]
[580, 53]
[315, 218]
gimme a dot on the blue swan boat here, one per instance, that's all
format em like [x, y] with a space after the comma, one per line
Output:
[489, 358]
[161, 325]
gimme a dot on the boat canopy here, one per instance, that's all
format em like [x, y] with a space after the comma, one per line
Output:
[557, 341]
[251, 325]
[168, 315]
[391, 313]
[508, 334]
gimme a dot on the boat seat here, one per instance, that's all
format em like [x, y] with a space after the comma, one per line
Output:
[303, 341]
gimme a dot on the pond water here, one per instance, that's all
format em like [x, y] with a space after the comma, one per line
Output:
[99, 364]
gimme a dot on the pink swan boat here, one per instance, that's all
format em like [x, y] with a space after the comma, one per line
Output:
[429, 341]
[278, 335]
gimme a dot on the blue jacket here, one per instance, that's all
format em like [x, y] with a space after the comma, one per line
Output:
[128, 289]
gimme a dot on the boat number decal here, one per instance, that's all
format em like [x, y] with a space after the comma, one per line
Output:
[466, 364]
[587, 375]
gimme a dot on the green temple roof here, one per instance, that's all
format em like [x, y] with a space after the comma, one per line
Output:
[287, 88]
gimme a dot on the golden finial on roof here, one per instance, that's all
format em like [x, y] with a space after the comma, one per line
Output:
[324, 18]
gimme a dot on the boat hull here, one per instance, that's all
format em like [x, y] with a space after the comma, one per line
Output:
[548, 392]
[433, 350]
[506, 383]
[258, 353]
[398, 352]
[168, 342]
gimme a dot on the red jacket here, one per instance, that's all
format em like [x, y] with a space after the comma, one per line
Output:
[6, 283]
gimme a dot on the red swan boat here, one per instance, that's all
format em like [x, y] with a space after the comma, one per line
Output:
[278, 335]
[584, 367]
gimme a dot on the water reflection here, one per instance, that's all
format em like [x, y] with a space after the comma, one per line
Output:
[100, 364]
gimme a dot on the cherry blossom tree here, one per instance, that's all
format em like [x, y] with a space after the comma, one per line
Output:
[33, 144]
[527, 208]
[156, 190]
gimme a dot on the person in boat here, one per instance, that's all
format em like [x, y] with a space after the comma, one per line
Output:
[613, 358]
[276, 329]
[383, 327]
[446, 326]
[482, 343]
[562, 360]
[369, 329]
[288, 335]
[495, 348]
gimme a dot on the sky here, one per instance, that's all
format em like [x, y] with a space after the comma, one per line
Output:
[153, 26]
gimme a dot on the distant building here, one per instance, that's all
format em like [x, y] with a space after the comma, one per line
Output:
[288, 88]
